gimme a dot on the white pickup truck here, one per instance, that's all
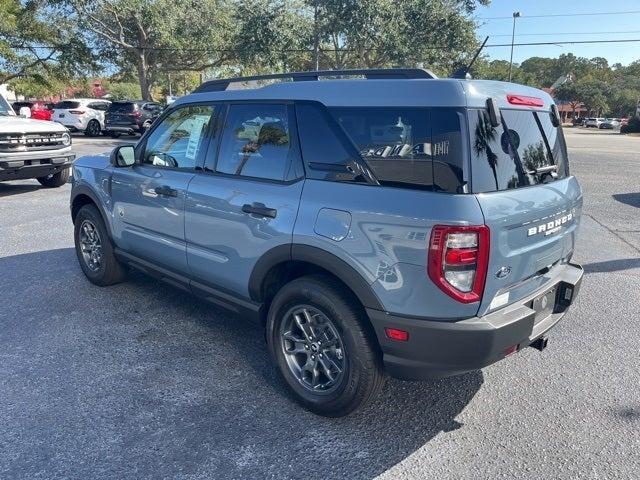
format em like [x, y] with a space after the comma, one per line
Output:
[33, 149]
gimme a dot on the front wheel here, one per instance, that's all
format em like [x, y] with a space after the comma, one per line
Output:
[94, 248]
[323, 351]
[55, 180]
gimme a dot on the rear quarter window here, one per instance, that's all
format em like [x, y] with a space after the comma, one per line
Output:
[408, 147]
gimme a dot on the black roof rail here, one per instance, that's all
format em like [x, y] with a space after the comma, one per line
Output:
[374, 73]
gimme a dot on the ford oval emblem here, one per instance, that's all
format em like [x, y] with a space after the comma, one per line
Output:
[503, 272]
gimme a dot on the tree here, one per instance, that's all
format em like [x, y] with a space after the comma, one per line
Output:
[569, 93]
[37, 42]
[155, 36]
[593, 94]
[122, 90]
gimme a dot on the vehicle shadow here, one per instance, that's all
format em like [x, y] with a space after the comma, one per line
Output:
[632, 199]
[612, 265]
[9, 189]
[143, 380]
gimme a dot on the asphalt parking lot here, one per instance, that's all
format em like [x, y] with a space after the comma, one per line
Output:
[140, 380]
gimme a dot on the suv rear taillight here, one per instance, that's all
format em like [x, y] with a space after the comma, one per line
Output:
[136, 114]
[458, 260]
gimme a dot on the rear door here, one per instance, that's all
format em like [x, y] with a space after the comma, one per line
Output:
[530, 202]
[246, 203]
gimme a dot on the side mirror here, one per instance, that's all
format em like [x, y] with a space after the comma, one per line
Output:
[123, 156]
[25, 112]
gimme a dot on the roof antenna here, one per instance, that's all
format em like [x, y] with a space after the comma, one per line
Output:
[463, 72]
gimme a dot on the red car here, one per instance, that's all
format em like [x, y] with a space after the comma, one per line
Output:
[39, 110]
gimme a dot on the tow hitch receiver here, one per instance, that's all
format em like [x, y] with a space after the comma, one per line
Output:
[540, 343]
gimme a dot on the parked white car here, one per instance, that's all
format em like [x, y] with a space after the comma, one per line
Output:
[81, 115]
[593, 122]
[33, 149]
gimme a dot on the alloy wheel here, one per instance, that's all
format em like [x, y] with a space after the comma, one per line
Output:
[313, 349]
[90, 245]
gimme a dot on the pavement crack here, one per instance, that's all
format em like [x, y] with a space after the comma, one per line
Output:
[612, 232]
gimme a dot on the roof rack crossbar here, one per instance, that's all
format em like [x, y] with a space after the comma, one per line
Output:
[376, 73]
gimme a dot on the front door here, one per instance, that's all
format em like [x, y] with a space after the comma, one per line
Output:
[149, 197]
[246, 203]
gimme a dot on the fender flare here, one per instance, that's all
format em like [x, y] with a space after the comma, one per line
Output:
[85, 190]
[320, 258]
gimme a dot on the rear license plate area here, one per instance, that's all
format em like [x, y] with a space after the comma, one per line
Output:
[545, 303]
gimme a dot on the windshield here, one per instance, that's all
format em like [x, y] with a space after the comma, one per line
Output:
[526, 149]
[5, 108]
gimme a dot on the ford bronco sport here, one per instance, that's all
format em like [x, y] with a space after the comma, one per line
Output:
[393, 222]
[33, 149]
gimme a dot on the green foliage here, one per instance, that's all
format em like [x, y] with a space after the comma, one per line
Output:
[122, 90]
[38, 42]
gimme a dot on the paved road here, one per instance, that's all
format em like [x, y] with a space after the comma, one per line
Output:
[142, 381]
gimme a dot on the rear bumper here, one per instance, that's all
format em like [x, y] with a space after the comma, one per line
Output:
[123, 128]
[437, 349]
[19, 168]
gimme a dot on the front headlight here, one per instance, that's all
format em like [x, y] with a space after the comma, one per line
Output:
[66, 139]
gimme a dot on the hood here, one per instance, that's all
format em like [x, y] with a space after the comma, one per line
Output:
[94, 161]
[15, 124]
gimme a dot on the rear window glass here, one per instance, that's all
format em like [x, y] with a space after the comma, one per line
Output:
[410, 147]
[525, 150]
[121, 107]
[66, 104]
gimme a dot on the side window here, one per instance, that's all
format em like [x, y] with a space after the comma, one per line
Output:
[327, 156]
[408, 147]
[178, 140]
[256, 142]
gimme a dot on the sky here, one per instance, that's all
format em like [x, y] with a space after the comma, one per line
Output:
[584, 20]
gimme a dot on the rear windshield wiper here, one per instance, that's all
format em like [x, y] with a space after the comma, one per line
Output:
[551, 169]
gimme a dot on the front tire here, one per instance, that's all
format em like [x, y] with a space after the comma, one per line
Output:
[317, 337]
[55, 180]
[94, 248]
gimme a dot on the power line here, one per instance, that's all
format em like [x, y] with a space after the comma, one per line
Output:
[309, 50]
[510, 17]
[564, 42]
[560, 33]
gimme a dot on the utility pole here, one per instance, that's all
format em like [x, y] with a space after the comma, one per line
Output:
[513, 36]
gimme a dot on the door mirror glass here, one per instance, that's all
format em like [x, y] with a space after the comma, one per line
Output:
[123, 156]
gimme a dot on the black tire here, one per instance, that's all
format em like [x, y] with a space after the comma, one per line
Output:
[93, 129]
[55, 180]
[362, 375]
[109, 270]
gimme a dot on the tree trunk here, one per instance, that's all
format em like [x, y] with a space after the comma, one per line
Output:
[143, 75]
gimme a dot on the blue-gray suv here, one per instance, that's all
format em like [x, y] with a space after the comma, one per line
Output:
[392, 222]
